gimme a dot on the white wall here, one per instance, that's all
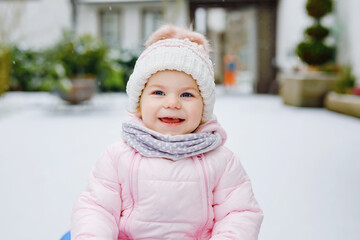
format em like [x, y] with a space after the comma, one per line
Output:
[178, 13]
[291, 23]
[132, 27]
[87, 21]
[348, 33]
[41, 22]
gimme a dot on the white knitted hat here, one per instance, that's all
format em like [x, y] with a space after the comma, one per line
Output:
[174, 54]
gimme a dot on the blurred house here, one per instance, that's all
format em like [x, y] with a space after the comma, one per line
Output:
[128, 23]
[262, 34]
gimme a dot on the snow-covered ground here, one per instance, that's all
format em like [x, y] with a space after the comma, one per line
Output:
[304, 163]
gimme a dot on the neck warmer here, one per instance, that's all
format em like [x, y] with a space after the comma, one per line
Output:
[150, 143]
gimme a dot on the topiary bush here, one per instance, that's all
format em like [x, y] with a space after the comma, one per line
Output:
[319, 8]
[313, 50]
[318, 32]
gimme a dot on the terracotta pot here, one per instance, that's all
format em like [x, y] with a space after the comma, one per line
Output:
[82, 89]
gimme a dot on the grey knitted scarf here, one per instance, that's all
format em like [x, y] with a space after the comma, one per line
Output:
[150, 143]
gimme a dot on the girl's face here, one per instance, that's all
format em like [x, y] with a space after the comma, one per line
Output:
[171, 103]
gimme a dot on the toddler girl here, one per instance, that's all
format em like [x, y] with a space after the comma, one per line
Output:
[170, 177]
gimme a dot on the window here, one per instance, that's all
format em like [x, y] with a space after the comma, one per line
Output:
[110, 27]
[151, 20]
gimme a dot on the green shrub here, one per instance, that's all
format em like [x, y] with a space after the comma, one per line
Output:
[315, 52]
[127, 61]
[313, 49]
[33, 70]
[116, 70]
[80, 55]
[317, 31]
[319, 8]
[5, 68]
[44, 70]
[346, 82]
[111, 77]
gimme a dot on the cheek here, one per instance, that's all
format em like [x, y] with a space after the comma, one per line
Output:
[197, 111]
[200, 107]
[147, 110]
[141, 107]
[201, 110]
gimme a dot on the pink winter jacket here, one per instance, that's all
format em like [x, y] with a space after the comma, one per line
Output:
[130, 196]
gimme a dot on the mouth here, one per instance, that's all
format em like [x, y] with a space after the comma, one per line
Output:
[171, 120]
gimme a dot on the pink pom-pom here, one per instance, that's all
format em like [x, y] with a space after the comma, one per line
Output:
[170, 31]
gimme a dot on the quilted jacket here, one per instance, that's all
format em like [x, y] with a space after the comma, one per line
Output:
[129, 196]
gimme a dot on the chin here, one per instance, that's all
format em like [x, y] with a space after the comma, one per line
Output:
[171, 132]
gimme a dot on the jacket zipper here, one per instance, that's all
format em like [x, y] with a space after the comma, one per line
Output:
[200, 159]
[126, 220]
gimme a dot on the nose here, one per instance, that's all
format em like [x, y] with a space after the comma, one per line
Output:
[172, 101]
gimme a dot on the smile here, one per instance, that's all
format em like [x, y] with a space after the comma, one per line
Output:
[171, 120]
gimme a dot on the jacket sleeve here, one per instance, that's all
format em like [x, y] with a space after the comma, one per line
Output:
[237, 213]
[96, 213]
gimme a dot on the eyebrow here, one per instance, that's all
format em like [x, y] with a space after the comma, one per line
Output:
[189, 88]
[155, 86]
[181, 89]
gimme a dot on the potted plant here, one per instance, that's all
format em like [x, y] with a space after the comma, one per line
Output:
[81, 57]
[345, 97]
[308, 88]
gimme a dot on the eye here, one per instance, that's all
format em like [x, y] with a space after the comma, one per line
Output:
[186, 94]
[158, 93]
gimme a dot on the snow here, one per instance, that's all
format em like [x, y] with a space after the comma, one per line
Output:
[304, 162]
